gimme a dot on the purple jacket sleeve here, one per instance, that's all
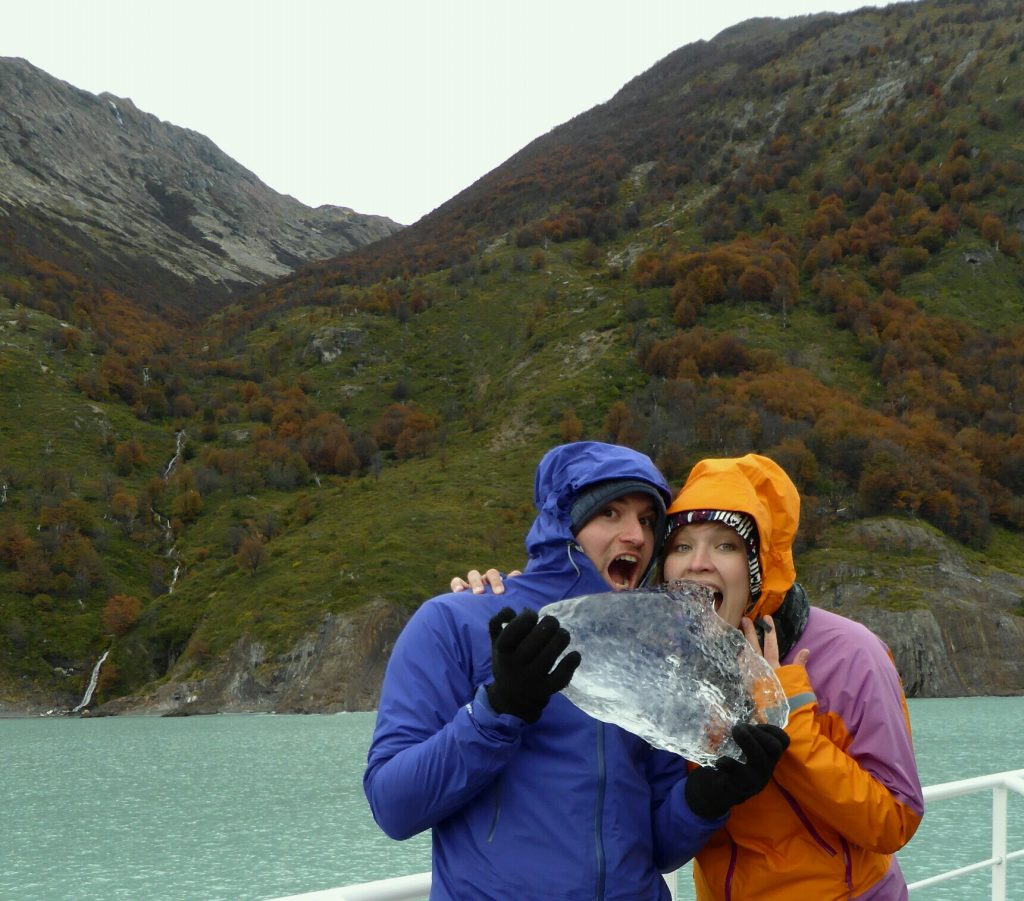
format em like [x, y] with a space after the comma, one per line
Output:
[850, 761]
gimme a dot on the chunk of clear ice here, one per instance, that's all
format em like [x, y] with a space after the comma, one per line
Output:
[663, 665]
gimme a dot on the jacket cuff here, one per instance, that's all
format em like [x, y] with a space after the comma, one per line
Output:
[797, 685]
[481, 712]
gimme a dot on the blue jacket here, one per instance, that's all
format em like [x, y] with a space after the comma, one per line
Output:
[567, 808]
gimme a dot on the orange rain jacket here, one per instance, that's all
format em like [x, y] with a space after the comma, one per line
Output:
[846, 794]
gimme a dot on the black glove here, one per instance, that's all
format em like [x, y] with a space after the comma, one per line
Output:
[712, 790]
[522, 654]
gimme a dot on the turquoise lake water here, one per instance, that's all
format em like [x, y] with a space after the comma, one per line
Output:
[256, 807]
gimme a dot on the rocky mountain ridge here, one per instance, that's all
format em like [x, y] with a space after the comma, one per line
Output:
[145, 196]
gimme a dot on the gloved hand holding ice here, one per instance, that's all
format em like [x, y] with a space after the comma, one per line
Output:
[663, 665]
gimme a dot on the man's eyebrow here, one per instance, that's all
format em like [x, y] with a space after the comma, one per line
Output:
[648, 506]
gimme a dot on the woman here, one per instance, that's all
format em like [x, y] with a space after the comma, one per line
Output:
[845, 795]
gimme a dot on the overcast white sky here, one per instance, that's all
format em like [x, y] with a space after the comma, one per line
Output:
[384, 106]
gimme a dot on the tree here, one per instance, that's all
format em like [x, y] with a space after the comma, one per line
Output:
[991, 228]
[34, 573]
[419, 435]
[571, 427]
[252, 554]
[14, 543]
[390, 425]
[108, 677]
[326, 447]
[708, 283]
[187, 505]
[305, 509]
[77, 559]
[127, 456]
[182, 406]
[120, 613]
[70, 338]
[621, 425]
[406, 430]
[125, 510]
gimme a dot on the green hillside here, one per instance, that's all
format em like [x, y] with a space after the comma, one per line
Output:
[803, 239]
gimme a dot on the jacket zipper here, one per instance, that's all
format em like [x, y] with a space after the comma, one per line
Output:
[599, 813]
[733, 851]
[849, 867]
[808, 825]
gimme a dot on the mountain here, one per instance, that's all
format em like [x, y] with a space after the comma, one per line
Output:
[154, 209]
[801, 238]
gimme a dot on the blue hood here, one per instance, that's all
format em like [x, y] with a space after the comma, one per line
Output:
[566, 470]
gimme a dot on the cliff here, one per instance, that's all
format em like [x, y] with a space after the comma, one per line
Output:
[338, 667]
[955, 628]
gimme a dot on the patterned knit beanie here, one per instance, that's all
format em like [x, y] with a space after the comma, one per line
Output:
[744, 526]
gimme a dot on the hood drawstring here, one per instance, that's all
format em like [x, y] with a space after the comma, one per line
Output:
[569, 548]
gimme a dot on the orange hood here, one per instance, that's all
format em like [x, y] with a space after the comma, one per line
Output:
[760, 488]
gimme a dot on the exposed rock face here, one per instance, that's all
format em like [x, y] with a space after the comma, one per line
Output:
[339, 667]
[328, 343]
[964, 634]
[119, 183]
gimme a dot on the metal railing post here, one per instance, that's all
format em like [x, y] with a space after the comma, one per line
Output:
[1000, 819]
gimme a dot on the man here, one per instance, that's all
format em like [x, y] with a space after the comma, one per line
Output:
[527, 796]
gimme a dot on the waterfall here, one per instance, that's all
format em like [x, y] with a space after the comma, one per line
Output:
[165, 526]
[179, 445]
[172, 550]
[3, 493]
[93, 679]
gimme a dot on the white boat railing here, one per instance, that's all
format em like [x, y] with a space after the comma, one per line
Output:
[1000, 784]
[417, 886]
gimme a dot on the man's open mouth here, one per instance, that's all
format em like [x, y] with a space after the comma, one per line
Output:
[622, 570]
